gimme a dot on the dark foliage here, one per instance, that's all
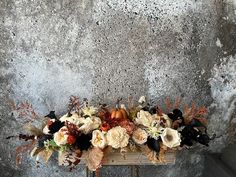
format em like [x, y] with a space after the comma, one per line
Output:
[153, 144]
[190, 134]
[83, 142]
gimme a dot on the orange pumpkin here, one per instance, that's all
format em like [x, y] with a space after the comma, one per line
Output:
[119, 113]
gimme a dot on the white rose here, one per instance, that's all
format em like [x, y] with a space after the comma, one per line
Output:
[117, 137]
[90, 123]
[139, 136]
[144, 118]
[98, 139]
[74, 119]
[61, 136]
[170, 137]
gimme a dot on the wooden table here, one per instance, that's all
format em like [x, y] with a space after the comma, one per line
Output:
[134, 159]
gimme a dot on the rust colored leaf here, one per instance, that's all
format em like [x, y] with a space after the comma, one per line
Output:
[168, 104]
[194, 112]
[159, 111]
[151, 155]
[202, 111]
[24, 112]
[73, 104]
[23, 149]
[177, 103]
[73, 129]
[18, 159]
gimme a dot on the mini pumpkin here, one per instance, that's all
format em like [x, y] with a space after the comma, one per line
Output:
[118, 112]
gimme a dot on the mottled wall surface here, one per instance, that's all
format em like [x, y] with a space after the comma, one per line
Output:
[102, 49]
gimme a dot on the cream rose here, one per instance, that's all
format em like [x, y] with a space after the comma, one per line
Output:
[61, 136]
[89, 124]
[74, 119]
[170, 137]
[117, 137]
[98, 139]
[144, 118]
[139, 136]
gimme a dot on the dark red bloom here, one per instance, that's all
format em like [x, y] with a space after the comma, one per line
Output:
[71, 139]
[105, 127]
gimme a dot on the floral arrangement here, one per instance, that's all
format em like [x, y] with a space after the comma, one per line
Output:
[90, 133]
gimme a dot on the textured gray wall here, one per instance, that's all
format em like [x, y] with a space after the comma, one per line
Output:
[102, 49]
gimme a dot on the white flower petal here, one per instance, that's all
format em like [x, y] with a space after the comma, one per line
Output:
[117, 137]
[61, 136]
[142, 99]
[171, 138]
[89, 124]
[139, 136]
[144, 118]
[74, 119]
[98, 139]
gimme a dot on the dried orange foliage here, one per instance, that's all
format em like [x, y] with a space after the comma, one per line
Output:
[193, 112]
[170, 106]
[24, 149]
[153, 156]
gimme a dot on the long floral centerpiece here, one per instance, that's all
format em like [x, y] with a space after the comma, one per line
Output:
[90, 133]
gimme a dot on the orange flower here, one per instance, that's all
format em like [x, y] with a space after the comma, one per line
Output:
[105, 127]
[71, 139]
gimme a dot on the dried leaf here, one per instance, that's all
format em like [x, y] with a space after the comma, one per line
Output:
[36, 151]
[93, 158]
[45, 154]
[168, 104]
[159, 111]
[18, 159]
[73, 104]
[106, 152]
[130, 102]
[72, 129]
[23, 149]
[151, 155]
[26, 137]
[33, 130]
[202, 111]
[69, 158]
[24, 112]
[193, 112]
[177, 103]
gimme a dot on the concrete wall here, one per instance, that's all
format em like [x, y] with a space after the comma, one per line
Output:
[102, 49]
